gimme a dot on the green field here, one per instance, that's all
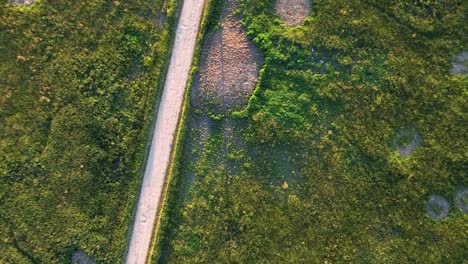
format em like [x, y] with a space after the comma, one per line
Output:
[355, 122]
[78, 85]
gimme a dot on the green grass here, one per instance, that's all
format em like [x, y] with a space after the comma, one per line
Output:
[327, 129]
[79, 81]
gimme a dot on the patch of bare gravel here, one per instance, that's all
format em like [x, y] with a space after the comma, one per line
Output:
[229, 67]
[23, 2]
[460, 64]
[293, 12]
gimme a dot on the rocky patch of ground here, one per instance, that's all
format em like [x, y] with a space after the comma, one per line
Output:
[460, 64]
[229, 67]
[293, 12]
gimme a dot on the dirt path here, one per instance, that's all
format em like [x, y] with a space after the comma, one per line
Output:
[164, 131]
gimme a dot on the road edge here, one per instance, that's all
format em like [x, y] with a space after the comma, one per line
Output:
[162, 218]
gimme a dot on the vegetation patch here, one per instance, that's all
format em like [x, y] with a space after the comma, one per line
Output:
[78, 85]
[326, 105]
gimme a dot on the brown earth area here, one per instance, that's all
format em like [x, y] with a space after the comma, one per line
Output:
[293, 12]
[229, 67]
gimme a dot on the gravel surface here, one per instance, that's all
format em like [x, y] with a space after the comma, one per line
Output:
[229, 67]
[293, 12]
[164, 131]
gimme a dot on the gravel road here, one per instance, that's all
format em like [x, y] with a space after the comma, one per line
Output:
[164, 131]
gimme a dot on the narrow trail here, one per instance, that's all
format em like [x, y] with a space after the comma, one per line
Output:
[164, 131]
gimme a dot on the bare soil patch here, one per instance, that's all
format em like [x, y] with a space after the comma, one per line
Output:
[293, 12]
[460, 64]
[406, 141]
[80, 257]
[23, 2]
[229, 67]
[437, 207]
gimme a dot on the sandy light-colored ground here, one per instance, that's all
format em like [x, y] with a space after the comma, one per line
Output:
[293, 12]
[164, 131]
[407, 150]
[229, 67]
[460, 64]
[23, 2]
[437, 207]
[80, 257]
